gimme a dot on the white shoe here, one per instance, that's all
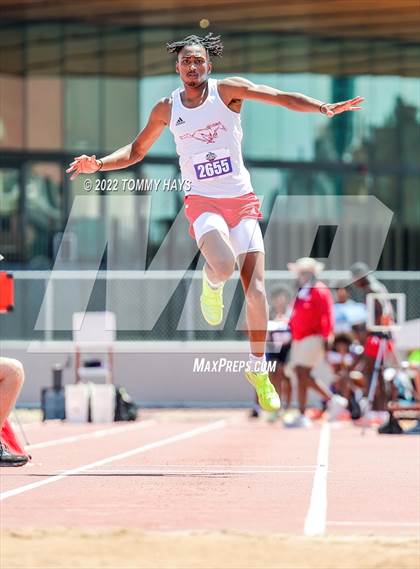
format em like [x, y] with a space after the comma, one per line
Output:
[336, 405]
[211, 302]
[272, 416]
[364, 406]
[298, 422]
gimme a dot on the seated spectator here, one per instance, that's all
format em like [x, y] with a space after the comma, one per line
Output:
[367, 283]
[348, 382]
[11, 381]
[405, 382]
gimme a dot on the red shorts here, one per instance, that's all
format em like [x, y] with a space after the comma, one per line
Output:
[233, 210]
[372, 346]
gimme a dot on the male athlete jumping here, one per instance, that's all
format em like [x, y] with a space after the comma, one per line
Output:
[223, 211]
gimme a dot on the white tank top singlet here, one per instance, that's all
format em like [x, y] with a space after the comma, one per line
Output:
[208, 142]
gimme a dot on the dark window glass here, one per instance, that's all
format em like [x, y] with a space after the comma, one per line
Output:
[11, 111]
[82, 112]
[152, 89]
[82, 50]
[11, 50]
[10, 215]
[121, 52]
[44, 49]
[120, 117]
[44, 211]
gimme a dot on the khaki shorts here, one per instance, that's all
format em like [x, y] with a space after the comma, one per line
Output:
[307, 352]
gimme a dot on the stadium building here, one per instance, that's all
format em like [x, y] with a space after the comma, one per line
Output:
[82, 78]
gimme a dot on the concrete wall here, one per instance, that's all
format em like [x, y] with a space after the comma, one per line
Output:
[154, 373]
[162, 373]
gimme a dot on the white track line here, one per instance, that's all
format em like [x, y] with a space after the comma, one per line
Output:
[315, 521]
[218, 466]
[114, 458]
[92, 435]
[198, 471]
[376, 524]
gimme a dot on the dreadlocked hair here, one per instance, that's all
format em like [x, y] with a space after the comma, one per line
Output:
[211, 43]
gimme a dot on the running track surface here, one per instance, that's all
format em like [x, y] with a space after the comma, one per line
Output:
[215, 470]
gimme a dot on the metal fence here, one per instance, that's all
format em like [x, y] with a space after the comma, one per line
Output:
[149, 305]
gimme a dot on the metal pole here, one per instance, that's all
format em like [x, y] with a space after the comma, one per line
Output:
[375, 377]
[16, 417]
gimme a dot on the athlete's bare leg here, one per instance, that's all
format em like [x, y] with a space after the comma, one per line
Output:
[219, 256]
[219, 266]
[11, 381]
[251, 266]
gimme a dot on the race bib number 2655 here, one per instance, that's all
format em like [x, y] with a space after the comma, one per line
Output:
[212, 164]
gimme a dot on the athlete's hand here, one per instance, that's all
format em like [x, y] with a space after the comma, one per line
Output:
[332, 109]
[83, 165]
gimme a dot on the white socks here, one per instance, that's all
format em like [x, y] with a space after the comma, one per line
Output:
[211, 284]
[257, 363]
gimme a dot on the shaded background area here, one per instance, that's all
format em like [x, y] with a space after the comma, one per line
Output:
[81, 77]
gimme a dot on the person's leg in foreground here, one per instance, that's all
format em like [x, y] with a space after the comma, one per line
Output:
[11, 380]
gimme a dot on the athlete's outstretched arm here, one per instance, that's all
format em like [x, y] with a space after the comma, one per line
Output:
[239, 88]
[129, 154]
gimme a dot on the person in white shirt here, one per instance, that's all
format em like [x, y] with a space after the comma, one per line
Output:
[347, 312]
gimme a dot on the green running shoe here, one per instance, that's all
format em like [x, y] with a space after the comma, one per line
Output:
[267, 395]
[211, 301]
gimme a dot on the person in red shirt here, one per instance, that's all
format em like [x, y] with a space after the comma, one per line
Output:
[311, 325]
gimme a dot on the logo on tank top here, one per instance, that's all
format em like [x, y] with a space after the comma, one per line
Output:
[209, 134]
[179, 121]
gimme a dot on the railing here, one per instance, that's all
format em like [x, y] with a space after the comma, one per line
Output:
[149, 305]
